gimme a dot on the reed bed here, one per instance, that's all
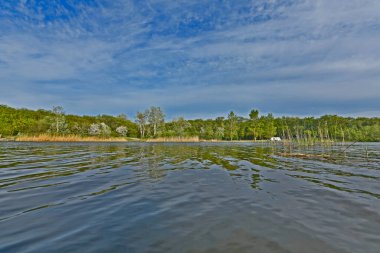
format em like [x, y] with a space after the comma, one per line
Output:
[174, 139]
[67, 138]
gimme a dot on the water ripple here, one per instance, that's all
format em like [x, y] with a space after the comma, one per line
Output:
[202, 197]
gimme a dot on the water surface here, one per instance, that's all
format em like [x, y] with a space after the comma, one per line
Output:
[206, 197]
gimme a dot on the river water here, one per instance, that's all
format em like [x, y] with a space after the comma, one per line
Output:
[204, 197]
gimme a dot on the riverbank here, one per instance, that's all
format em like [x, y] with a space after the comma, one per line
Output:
[174, 139]
[66, 138]
[77, 138]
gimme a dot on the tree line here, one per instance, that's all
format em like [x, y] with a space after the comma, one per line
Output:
[151, 124]
[15, 122]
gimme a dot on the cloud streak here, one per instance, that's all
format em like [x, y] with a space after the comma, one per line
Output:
[195, 58]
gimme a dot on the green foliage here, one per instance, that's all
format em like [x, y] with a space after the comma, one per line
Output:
[180, 125]
[232, 125]
[28, 122]
[151, 123]
[254, 114]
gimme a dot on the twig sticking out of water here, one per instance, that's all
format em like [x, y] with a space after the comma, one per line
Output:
[344, 151]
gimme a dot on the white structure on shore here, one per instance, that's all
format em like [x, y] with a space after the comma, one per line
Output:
[275, 139]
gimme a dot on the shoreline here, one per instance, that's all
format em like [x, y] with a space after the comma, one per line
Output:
[75, 138]
[64, 139]
[118, 139]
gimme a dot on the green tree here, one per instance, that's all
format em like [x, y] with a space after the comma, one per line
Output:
[180, 126]
[232, 125]
[269, 128]
[253, 116]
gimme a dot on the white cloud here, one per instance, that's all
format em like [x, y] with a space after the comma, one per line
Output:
[121, 55]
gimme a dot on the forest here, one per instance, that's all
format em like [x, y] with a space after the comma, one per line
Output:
[151, 124]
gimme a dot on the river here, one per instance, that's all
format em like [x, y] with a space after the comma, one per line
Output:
[201, 197]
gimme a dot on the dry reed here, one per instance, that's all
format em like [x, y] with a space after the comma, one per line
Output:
[66, 138]
[174, 139]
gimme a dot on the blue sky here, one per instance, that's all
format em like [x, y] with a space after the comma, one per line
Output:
[192, 58]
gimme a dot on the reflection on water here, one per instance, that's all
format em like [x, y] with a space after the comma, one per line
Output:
[206, 197]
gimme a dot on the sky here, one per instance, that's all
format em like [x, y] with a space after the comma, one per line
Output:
[193, 58]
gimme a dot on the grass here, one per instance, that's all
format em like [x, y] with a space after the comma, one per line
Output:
[67, 138]
[174, 139]
[78, 138]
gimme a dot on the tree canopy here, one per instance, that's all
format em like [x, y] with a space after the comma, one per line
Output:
[151, 123]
